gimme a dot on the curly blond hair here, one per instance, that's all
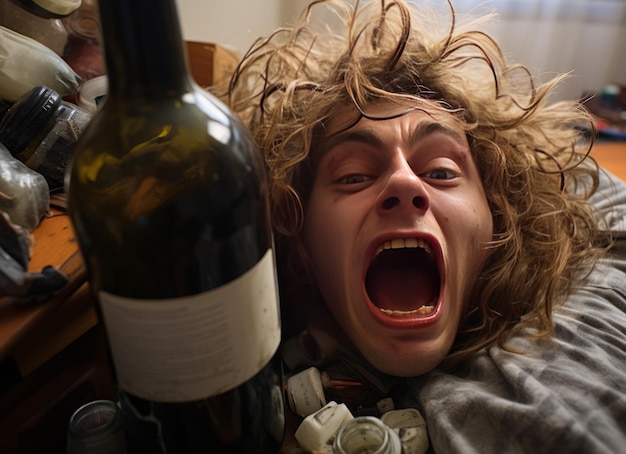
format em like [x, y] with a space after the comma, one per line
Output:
[528, 150]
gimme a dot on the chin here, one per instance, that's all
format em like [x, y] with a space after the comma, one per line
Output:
[407, 364]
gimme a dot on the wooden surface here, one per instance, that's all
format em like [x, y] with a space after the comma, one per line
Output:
[31, 333]
[611, 156]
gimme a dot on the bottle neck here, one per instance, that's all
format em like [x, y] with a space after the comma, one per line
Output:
[144, 49]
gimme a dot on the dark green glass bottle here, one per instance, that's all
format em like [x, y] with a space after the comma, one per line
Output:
[168, 199]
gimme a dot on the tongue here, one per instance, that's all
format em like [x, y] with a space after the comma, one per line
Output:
[402, 280]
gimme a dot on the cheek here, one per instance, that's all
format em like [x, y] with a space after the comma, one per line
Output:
[484, 221]
[470, 230]
[328, 225]
[312, 235]
[320, 235]
[480, 227]
[329, 237]
[325, 257]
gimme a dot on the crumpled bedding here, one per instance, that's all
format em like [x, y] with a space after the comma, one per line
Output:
[562, 396]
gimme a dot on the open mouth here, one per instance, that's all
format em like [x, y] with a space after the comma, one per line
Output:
[403, 279]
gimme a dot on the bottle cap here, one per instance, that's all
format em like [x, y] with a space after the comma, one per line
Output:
[92, 93]
[411, 428]
[317, 430]
[27, 118]
[84, 25]
[85, 22]
[306, 392]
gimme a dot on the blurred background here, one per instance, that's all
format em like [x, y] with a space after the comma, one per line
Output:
[585, 37]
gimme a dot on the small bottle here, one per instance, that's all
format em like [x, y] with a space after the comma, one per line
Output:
[366, 434]
[97, 428]
[305, 392]
[39, 20]
[40, 129]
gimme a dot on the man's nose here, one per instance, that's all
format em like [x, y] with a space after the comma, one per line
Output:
[403, 189]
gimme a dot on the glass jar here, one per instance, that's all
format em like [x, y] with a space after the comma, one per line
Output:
[83, 51]
[366, 434]
[97, 428]
[40, 129]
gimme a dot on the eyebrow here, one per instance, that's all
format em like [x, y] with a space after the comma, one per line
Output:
[429, 128]
[369, 137]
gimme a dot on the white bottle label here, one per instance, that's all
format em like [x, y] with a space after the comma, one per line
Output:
[190, 348]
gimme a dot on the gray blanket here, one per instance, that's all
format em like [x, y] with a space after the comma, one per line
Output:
[568, 395]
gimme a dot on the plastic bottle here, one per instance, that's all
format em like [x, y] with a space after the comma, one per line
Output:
[168, 197]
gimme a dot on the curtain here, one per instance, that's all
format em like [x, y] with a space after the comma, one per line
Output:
[586, 38]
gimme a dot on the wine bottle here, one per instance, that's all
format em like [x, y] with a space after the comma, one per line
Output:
[168, 199]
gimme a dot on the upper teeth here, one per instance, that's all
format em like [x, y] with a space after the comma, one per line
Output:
[400, 243]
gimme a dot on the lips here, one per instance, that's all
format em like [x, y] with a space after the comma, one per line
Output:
[403, 280]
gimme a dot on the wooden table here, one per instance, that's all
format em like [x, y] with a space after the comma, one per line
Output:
[52, 354]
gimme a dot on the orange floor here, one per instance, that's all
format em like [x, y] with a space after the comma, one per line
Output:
[611, 156]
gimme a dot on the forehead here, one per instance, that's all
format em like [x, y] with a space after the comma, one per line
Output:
[347, 116]
[416, 119]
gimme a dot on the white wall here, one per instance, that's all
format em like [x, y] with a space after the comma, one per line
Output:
[234, 23]
[237, 23]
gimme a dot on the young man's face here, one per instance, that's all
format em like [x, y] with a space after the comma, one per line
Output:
[396, 227]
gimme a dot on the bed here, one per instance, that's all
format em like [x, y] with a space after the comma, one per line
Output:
[568, 395]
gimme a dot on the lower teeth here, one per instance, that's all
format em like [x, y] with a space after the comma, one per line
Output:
[422, 310]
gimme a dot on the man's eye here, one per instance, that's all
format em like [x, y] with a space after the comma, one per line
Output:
[440, 174]
[353, 179]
